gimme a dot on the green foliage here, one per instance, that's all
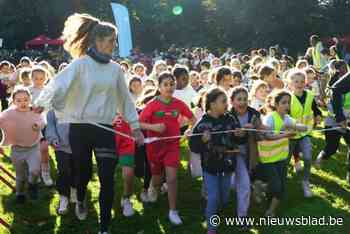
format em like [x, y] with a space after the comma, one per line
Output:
[239, 24]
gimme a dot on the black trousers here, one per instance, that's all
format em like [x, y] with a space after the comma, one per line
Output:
[66, 173]
[85, 138]
[332, 143]
[142, 169]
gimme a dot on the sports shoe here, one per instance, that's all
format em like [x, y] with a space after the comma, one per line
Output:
[63, 205]
[81, 210]
[144, 197]
[152, 194]
[307, 190]
[259, 191]
[128, 210]
[174, 217]
[46, 178]
[103, 233]
[297, 166]
[73, 195]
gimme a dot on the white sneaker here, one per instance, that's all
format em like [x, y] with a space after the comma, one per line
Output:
[73, 195]
[152, 194]
[297, 166]
[164, 188]
[307, 190]
[128, 211]
[144, 197]
[63, 206]
[46, 178]
[80, 210]
[174, 217]
[318, 161]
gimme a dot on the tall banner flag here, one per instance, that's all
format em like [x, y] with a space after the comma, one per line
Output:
[121, 16]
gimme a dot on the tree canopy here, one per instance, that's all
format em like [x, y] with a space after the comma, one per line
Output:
[239, 24]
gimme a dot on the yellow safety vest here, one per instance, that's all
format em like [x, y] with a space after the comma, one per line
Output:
[276, 150]
[303, 114]
[316, 56]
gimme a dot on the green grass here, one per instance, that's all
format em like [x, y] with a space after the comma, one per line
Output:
[329, 186]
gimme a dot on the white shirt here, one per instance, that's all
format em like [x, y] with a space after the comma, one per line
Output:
[186, 95]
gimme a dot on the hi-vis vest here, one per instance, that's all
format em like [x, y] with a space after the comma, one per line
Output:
[316, 56]
[276, 150]
[303, 114]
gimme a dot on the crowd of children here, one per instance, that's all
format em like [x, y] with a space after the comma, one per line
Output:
[244, 117]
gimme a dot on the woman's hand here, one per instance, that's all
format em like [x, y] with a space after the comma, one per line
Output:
[138, 135]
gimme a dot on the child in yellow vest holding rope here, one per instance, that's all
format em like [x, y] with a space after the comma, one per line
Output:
[273, 152]
[305, 111]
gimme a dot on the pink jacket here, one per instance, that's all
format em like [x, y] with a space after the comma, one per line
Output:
[18, 127]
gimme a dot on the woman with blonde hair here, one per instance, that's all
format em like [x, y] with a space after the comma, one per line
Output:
[88, 94]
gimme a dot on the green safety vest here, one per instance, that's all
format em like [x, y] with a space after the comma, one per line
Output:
[276, 150]
[303, 114]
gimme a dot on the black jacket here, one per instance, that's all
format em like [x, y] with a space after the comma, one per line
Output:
[216, 155]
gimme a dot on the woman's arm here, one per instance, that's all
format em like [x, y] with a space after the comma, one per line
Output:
[56, 90]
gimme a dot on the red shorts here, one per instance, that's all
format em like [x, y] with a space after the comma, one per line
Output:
[158, 159]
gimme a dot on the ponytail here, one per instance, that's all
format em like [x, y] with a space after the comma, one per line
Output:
[80, 33]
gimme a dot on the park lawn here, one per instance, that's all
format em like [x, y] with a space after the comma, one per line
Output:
[331, 198]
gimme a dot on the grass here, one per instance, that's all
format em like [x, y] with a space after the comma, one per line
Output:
[331, 198]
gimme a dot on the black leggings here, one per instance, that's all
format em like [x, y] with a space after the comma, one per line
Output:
[142, 169]
[65, 175]
[332, 143]
[85, 138]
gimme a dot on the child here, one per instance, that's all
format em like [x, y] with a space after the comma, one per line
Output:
[204, 79]
[140, 70]
[218, 151]
[183, 91]
[224, 79]
[22, 128]
[304, 110]
[237, 77]
[258, 94]
[25, 77]
[159, 67]
[164, 111]
[312, 83]
[125, 148]
[39, 78]
[57, 135]
[269, 75]
[247, 158]
[273, 152]
[195, 81]
[135, 88]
